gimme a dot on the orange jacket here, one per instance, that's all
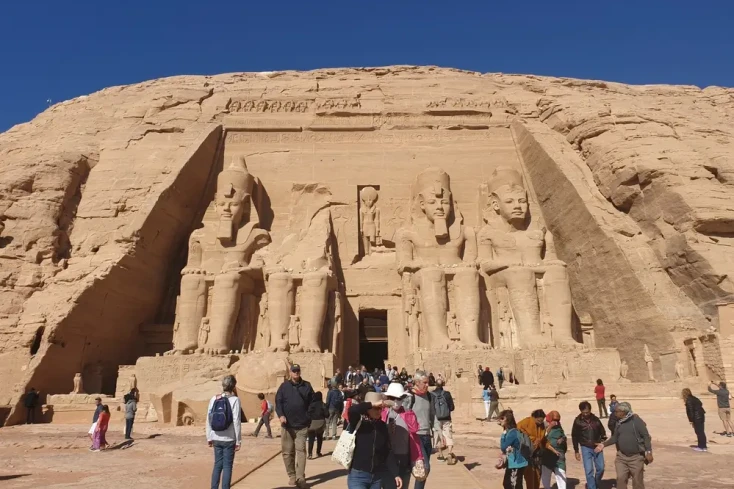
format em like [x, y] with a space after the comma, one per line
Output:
[535, 432]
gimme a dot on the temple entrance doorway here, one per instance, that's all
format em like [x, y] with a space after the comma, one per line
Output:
[372, 338]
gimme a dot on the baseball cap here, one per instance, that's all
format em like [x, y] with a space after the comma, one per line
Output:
[295, 368]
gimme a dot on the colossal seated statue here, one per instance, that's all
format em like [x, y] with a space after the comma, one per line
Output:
[432, 250]
[220, 271]
[511, 255]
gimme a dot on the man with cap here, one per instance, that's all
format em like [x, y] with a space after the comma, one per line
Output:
[291, 404]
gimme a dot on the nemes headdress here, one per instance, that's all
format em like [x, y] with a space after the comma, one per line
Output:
[505, 177]
[435, 179]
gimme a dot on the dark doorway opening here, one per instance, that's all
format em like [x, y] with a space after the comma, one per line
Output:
[373, 338]
[36, 345]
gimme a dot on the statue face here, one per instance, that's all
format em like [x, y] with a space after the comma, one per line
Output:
[368, 201]
[435, 207]
[233, 208]
[511, 204]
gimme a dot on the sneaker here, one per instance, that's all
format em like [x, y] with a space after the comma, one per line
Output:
[292, 481]
[301, 484]
[696, 449]
[441, 458]
[730, 435]
[269, 436]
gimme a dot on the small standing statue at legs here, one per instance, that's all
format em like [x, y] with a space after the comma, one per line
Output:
[369, 219]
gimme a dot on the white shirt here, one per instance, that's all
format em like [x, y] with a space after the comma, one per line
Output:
[233, 431]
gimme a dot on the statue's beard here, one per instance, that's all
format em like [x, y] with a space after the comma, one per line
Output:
[225, 231]
[440, 229]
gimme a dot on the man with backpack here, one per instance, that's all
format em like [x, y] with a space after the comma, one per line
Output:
[223, 431]
[266, 410]
[443, 405]
[291, 404]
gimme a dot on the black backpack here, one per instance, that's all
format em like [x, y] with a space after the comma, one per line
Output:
[440, 406]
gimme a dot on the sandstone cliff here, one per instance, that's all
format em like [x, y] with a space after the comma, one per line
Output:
[98, 195]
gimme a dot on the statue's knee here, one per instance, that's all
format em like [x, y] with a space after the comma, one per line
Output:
[432, 275]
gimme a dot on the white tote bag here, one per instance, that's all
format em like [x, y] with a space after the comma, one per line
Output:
[344, 450]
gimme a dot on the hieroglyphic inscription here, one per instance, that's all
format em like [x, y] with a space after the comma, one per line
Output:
[459, 103]
[262, 105]
[380, 137]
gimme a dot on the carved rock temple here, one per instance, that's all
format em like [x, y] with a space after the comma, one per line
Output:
[161, 235]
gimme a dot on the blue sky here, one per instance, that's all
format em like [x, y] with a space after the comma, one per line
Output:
[61, 49]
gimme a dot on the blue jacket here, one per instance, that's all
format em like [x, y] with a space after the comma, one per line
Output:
[485, 395]
[511, 438]
[334, 400]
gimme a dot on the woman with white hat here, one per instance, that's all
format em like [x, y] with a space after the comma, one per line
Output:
[373, 460]
[402, 425]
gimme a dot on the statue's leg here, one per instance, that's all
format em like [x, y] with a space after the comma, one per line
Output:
[523, 292]
[281, 304]
[226, 301]
[434, 304]
[466, 283]
[191, 309]
[558, 303]
[314, 302]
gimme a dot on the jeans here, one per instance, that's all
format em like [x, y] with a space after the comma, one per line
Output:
[264, 421]
[129, 428]
[602, 403]
[359, 479]
[388, 481]
[223, 460]
[332, 422]
[700, 433]
[592, 461]
[293, 444]
[427, 448]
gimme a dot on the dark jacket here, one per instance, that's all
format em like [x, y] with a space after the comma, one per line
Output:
[317, 411]
[292, 401]
[587, 432]
[97, 412]
[335, 400]
[449, 401]
[631, 436]
[487, 378]
[364, 389]
[372, 450]
[694, 409]
[31, 399]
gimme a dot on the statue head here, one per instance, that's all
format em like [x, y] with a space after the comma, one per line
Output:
[508, 197]
[432, 194]
[232, 203]
[368, 195]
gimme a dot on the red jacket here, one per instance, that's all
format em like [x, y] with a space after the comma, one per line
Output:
[599, 391]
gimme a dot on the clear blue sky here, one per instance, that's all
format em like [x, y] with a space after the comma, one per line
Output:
[64, 48]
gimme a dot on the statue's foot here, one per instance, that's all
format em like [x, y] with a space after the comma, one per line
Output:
[296, 349]
[310, 348]
[568, 343]
[177, 351]
[535, 342]
[215, 351]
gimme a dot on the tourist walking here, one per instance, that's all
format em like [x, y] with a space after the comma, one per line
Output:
[554, 456]
[500, 377]
[266, 412]
[421, 403]
[487, 401]
[514, 462]
[634, 447]
[494, 402]
[697, 417]
[443, 405]
[722, 402]
[292, 401]
[402, 427]
[534, 427]
[318, 413]
[601, 398]
[373, 461]
[99, 439]
[30, 402]
[223, 431]
[487, 377]
[612, 423]
[587, 432]
[131, 407]
[334, 405]
[95, 417]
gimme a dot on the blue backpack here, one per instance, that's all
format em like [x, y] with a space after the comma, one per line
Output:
[220, 417]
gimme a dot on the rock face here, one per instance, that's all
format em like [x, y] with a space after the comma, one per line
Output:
[99, 195]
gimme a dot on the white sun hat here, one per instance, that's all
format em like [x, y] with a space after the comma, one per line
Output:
[395, 389]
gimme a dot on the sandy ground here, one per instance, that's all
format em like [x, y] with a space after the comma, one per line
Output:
[57, 456]
[676, 465]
